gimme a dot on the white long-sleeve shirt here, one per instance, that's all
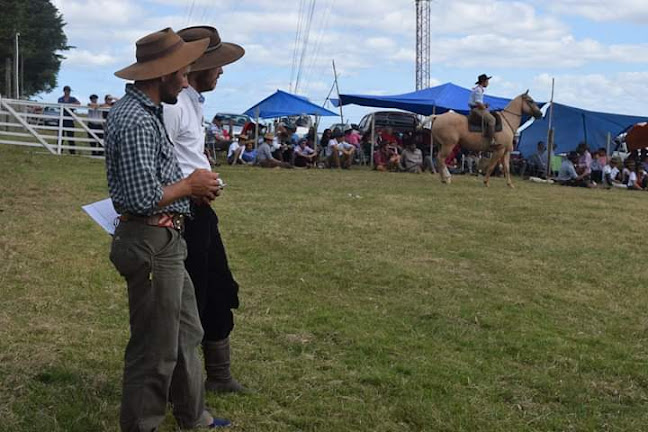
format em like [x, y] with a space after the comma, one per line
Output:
[184, 125]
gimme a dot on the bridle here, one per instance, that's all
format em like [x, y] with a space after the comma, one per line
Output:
[526, 101]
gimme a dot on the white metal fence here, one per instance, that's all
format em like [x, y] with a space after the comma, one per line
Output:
[56, 127]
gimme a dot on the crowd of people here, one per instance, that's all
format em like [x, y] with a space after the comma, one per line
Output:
[335, 148]
[585, 168]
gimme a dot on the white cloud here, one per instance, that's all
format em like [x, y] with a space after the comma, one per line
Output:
[624, 92]
[84, 58]
[599, 10]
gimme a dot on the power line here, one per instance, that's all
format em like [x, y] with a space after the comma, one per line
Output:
[297, 43]
[318, 44]
[305, 47]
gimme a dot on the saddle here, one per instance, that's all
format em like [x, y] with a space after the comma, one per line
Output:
[475, 122]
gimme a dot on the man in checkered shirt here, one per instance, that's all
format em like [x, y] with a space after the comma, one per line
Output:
[148, 250]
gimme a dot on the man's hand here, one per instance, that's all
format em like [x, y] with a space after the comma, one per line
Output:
[204, 184]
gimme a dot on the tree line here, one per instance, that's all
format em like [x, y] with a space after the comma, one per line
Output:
[41, 42]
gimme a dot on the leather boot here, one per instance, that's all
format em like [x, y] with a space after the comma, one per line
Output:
[217, 365]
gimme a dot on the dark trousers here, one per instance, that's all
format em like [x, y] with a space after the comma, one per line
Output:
[69, 124]
[98, 130]
[206, 263]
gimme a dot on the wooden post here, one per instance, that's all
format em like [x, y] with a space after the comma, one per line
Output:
[337, 87]
[550, 132]
[256, 130]
[607, 147]
[8, 67]
[432, 139]
[373, 138]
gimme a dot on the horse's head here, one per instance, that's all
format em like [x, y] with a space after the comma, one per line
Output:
[529, 106]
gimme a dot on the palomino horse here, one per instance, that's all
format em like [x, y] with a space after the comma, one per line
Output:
[451, 128]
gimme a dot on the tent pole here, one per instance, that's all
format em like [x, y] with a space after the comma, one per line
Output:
[432, 141]
[256, 131]
[373, 138]
[607, 147]
[337, 87]
[549, 133]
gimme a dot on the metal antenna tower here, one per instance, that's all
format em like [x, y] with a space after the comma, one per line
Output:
[422, 44]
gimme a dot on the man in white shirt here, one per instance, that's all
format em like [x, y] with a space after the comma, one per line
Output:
[206, 263]
[480, 109]
[611, 174]
[235, 150]
[339, 153]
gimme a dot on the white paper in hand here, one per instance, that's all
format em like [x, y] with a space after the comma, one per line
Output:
[103, 212]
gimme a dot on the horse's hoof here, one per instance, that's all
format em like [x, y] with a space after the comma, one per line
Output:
[486, 184]
[510, 185]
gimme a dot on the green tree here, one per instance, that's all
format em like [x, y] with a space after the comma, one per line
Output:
[42, 39]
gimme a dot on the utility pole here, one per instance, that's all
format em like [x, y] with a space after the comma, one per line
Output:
[422, 44]
[8, 68]
[17, 67]
[337, 87]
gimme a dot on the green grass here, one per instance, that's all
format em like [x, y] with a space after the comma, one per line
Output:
[370, 302]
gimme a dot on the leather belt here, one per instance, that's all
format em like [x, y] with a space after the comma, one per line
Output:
[163, 220]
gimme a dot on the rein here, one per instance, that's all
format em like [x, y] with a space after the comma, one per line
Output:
[515, 114]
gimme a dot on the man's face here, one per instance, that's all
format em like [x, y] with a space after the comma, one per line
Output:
[172, 85]
[208, 79]
[485, 83]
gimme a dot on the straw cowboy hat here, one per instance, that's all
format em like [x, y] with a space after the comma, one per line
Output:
[218, 53]
[268, 136]
[162, 53]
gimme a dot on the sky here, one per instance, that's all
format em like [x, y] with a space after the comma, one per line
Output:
[596, 51]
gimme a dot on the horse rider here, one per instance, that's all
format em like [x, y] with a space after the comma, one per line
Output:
[480, 109]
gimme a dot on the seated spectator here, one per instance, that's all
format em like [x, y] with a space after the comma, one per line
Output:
[305, 156]
[636, 177]
[236, 150]
[642, 177]
[411, 160]
[327, 135]
[385, 159]
[596, 168]
[387, 135]
[294, 136]
[584, 160]
[249, 154]
[264, 156]
[611, 174]
[537, 163]
[568, 176]
[603, 157]
[625, 173]
[339, 154]
[644, 162]
[352, 137]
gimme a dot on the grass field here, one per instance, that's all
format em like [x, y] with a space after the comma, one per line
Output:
[370, 302]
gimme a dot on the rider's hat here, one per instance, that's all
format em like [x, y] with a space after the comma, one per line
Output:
[483, 77]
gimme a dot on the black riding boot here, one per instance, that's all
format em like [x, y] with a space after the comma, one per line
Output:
[217, 365]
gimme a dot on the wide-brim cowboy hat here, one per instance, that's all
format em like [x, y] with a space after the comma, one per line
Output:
[483, 77]
[217, 54]
[268, 136]
[160, 54]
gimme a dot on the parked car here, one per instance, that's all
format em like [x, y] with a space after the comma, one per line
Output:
[399, 121]
[53, 116]
[341, 126]
[302, 123]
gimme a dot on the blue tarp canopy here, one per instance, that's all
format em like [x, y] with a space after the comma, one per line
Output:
[431, 100]
[282, 104]
[573, 125]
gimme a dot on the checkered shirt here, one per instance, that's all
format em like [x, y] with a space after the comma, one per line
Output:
[140, 159]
